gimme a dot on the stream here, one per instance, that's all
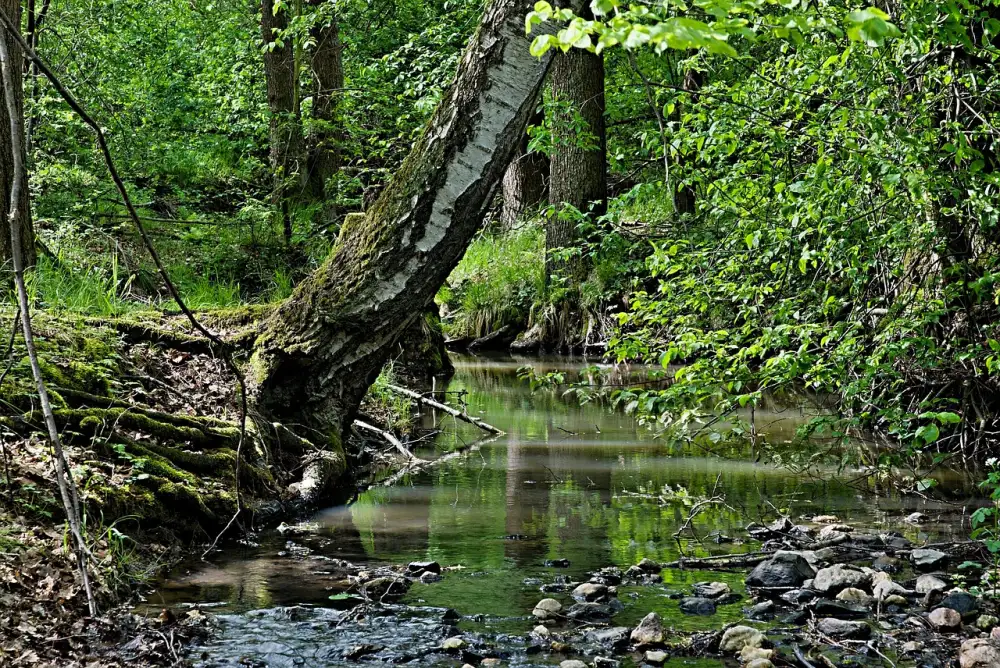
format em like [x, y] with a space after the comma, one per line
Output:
[567, 482]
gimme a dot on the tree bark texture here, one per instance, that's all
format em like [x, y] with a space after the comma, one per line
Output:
[578, 162]
[12, 8]
[319, 351]
[285, 125]
[525, 183]
[686, 198]
[328, 81]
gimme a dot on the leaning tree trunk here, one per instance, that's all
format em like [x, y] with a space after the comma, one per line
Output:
[12, 8]
[282, 102]
[578, 163]
[320, 350]
[524, 183]
[328, 82]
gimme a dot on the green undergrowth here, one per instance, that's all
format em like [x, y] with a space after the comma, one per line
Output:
[497, 282]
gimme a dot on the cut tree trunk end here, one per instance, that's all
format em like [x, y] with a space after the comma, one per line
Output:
[321, 349]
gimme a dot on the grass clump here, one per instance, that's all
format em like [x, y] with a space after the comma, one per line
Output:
[495, 284]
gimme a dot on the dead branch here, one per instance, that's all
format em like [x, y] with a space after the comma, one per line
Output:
[447, 409]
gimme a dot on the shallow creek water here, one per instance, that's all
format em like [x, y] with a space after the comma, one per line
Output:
[565, 482]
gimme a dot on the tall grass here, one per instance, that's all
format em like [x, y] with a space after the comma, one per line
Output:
[496, 283]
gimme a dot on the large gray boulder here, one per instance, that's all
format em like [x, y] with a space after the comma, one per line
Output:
[787, 569]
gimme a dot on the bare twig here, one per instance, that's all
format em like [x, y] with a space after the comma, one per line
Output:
[388, 437]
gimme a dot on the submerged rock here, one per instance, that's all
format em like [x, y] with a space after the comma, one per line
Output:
[648, 632]
[736, 638]
[697, 605]
[787, 569]
[841, 629]
[592, 612]
[762, 610]
[616, 637]
[557, 563]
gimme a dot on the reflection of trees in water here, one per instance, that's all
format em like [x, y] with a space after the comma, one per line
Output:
[526, 504]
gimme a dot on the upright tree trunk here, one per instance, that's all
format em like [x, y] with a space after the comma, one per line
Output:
[319, 351]
[12, 8]
[525, 182]
[578, 164]
[282, 101]
[685, 198]
[328, 80]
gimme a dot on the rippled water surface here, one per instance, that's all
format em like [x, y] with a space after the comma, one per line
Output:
[566, 482]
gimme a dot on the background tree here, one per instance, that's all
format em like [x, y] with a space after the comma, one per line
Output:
[578, 159]
[525, 183]
[281, 74]
[12, 8]
[327, 70]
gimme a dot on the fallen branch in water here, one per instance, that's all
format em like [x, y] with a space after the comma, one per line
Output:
[416, 396]
[388, 437]
[420, 464]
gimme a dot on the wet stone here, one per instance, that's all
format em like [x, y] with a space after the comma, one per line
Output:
[428, 577]
[735, 638]
[547, 608]
[888, 564]
[649, 566]
[761, 611]
[961, 602]
[605, 662]
[987, 622]
[454, 643]
[840, 629]
[798, 596]
[928, 559]
[840, 576]
[782, 570]
[655, 657]
[557, 563]
[916, 518]
[711, 589]
[929, 583]
[649, 631]
[386, 589]
[591, 612]
[944, 619]
[616, 638]
[573, 663]
[697, 605]
[827, 608]
[979, 653]
[590, 592]
[418, 567]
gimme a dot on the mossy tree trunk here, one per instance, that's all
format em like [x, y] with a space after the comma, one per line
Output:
[578, 162]
[319, 351]
[12, 8]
